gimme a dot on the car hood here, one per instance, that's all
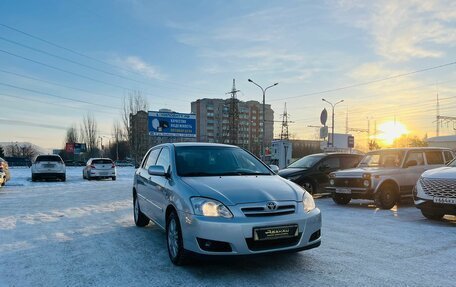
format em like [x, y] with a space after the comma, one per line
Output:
[445, 172]
[232, 190]
[358, 172]
[291, 171]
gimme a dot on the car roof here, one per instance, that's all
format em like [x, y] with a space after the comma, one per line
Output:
[412, 148]
[334, 154]
[96, 158]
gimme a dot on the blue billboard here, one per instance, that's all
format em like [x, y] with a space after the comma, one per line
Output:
[170, 124]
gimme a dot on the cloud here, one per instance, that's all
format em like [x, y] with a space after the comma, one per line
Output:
[404, 30]
[140, 66]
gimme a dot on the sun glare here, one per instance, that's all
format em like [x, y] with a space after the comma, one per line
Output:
[390, 131]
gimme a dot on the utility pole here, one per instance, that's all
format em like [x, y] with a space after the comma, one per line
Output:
[284, 133]
[437, 132]
[233, 115]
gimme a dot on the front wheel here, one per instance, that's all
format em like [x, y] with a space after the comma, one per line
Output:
[113, 178]
[309, 187]
[432, 215]
[387, 197]
[176, 251]
[140, 219]
[341, 199]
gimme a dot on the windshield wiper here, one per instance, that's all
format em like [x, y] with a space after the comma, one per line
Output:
[198, 173]
[243, 173]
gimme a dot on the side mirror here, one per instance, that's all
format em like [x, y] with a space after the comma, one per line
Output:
[136, 165]
[411, 163]
[274, 168]
[156, 170]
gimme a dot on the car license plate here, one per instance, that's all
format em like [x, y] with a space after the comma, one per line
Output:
[103, 173]
[276, 232]
[445, 200]
[343, 190]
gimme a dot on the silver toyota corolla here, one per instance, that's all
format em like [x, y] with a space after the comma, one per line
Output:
[215, 199]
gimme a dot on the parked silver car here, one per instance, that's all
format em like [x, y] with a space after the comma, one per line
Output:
[435, 192]
[386, 175]
[215, 199]
[98, 168]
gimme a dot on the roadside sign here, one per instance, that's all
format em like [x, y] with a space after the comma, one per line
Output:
[324, 117]
[170, 124]
[351, 141]
[323, 132]
[75, 148]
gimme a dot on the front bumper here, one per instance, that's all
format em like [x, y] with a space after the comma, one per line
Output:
[238, 232]
[355, 192]
[429, 205]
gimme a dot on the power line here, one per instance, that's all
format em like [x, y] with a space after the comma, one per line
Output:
[57, 96]
[93, 58]
[76, 62]
[51, 103]
[366, 83]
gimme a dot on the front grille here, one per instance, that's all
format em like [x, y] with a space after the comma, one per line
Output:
[265, 211]
[272, 244]
[349, 182]
[439, 187]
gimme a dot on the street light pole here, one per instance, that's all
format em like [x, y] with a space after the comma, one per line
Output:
[264, 115]
[332, 128]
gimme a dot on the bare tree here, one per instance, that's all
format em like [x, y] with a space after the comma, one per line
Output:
[23, 150]
[72, 135]
[89, 133]
[132, 104]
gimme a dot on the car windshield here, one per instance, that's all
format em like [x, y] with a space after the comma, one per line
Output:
[306, 162]
[452, 163]
[382, 159]
[217, 161]
[48, 158]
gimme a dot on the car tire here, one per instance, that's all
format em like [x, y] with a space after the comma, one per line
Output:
[141, 220]
[387, 197]
[309, 187]
[63, 178]
[341, 199]
[432, 215]
[113, 178]
[174, 241]
[33, 177]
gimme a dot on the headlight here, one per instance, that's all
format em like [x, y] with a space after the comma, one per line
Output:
[308, 202]
[210, 207]
[367, 175]
[294, 177]
[331, 181]
[366, 182]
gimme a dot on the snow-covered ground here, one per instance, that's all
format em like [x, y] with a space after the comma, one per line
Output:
[81, 233]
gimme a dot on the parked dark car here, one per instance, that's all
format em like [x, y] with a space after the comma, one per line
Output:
[312, 171]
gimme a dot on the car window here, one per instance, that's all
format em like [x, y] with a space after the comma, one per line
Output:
[349, 161]
[416, 156]
[448, 156]
[306, 162]
[388, 158]
[434, 157]
[330, 163]
[152, 158]
[102, 161]
[52, 158]
[164, 158]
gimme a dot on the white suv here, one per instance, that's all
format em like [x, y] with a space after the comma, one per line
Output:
[48, 167]
[435, 192]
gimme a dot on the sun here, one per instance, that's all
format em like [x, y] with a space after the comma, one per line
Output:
[390, 131]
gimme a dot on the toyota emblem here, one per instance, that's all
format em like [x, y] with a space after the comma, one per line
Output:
[271, 205]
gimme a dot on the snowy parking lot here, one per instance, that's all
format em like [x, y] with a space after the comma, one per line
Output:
[81, 233]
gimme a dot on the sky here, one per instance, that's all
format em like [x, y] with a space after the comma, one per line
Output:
[60, 60]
